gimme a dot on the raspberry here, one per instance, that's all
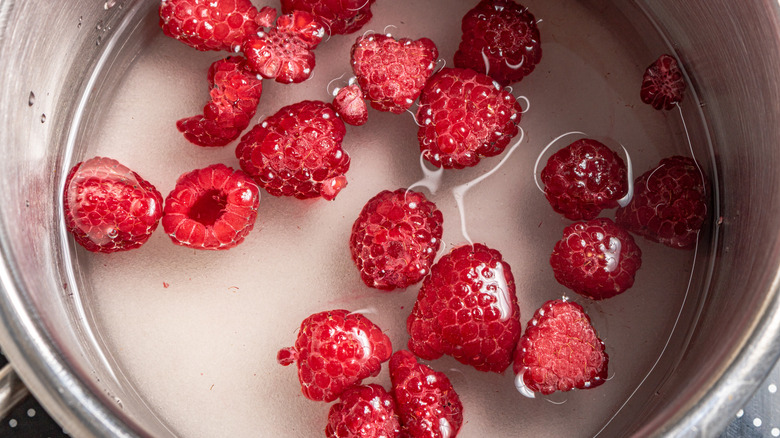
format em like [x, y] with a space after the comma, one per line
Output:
[364, 412]
[108, 207]
[663, 84]
[584, 178]
[297, 152]
[467, 308]
[210, 24]
[500, 38]
[560, 350]
[395, 238]
[349, 104]
[235, 93]
[596, 259]
[339, 16]
[465, 117]
[335, 350]
[212, 208]
[284, 52]
[392, 72]
[426, 402]
[669, 204]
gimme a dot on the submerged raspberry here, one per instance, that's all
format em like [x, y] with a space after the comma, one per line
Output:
[235, 93]
[663, 84]
[335, 350]
[560, 350]
[108, 207]
[297, 152]
[465, 116]
[584, 178]
[392, 72]
[338, 16]
[350, 105]
[669, 204]
[596, 259]
[212, 208]
[395, 239]
[210, 24]
[285, 52]
[364, 412]
[500, 38]
[426, 402]
[467, 308]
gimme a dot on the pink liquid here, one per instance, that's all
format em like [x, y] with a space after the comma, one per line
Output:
[196, 333]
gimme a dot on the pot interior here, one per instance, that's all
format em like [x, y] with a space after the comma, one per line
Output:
[166, 340]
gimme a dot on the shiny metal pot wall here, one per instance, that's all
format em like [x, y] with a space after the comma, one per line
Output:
[731, 53]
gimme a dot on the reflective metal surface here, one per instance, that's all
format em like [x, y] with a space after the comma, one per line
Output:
[732, 55]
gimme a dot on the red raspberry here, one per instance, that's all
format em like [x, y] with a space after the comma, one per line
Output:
[340, 16]
[235, 93]
[297, 152]
[108, 207]
[596, 259]
[210, 24]
[669, 204]
[395, 239]
[284, 53]
[560, 350]
[584, 178]
[499, 36]
[349, 104]
[467, 308]
[392, 72]
[364, 412]
[335, 350]
[425, 400]
[663, 83]
[465, 117]
[211, 208]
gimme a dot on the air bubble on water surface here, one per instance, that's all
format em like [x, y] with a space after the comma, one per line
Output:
[43, 118]
[109, 4]
[31, 99]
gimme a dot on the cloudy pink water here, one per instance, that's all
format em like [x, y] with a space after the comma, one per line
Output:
[196, 333]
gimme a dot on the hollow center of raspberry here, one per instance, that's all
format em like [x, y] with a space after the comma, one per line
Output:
[208, 208]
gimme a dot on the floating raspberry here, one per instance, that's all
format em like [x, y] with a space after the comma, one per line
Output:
[669, 204]
[297, 152]
[663, 84]
[500, 38]
[210, 24]
[584, 178]
[467, 308]
[108, 207]
[235, 93]
[335, 350]
[465, 117]
[560, 350]
[339, 16]
[364, 412]
[426, 402]
[395, 239]
[285, 53]
[596, 259]
[349, 104]
[392, 72]
[212, 208]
